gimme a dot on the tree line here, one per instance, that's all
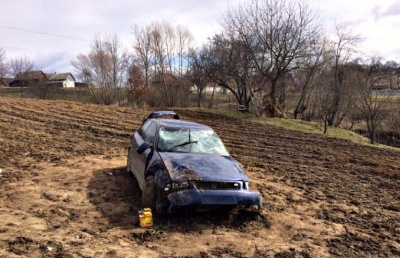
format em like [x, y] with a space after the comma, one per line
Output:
[275, 57]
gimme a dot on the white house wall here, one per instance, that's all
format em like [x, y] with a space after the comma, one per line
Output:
[208, 89]
[69, 82]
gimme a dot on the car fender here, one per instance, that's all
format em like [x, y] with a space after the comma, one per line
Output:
[157, 168]
[161, 177]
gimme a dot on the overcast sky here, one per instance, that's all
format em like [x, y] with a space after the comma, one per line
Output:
[53, 32]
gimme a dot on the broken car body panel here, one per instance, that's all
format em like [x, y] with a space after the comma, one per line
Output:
[195, 197]
[209, 167]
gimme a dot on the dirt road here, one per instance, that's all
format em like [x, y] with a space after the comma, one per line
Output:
[64, 191]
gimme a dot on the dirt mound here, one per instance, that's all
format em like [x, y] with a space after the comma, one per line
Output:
[64, 191]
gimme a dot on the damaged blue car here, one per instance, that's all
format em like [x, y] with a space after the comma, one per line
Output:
[185, 164]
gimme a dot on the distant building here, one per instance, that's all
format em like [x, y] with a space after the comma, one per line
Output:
[81, 85]
[37, 78]
[29, 79]
[5, 82]
[209, 88]
[62, 80]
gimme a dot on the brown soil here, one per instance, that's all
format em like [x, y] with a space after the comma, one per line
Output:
[64, 191]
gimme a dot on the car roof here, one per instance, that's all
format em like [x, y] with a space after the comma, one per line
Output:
[180, 124]
[157, 114]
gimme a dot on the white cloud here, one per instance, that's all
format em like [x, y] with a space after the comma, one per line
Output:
[82, 20]
[391, 10]
[376, 22]
[85, 19]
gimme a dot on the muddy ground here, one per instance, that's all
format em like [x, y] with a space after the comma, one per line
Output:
[64, 191]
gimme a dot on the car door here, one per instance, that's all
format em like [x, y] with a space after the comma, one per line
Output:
[146, 134]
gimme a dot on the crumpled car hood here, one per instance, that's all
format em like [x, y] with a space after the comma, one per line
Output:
[207, 167]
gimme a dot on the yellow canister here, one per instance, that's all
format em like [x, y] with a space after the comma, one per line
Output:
[145, 218]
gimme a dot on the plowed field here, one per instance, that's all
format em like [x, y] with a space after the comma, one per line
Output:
[64, 191]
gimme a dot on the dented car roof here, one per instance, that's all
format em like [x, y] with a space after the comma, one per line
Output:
[181, 124]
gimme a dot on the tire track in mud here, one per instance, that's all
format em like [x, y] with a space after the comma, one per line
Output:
[44, 134]
[87, 111]
[74, 119]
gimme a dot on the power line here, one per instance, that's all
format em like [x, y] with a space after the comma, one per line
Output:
[42, 33]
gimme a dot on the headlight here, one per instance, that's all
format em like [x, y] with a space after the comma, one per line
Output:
[167, 187]
[176, 186]
[246, 185]
[184, 184]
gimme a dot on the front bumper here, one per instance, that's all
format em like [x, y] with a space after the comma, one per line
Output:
[195, 197]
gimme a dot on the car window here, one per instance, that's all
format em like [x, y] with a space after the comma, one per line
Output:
[190, 140]
[143, 128]
[150, 133]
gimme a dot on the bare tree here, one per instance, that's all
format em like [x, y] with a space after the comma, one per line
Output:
[389, 74]
[326, 96]
[229, 64]
[103, 69]
[197, 74]
[3, 64]
[185, 42]
[136, 90]
[306, 77]
[20, 64]
[142, 46]
[277, 32]
[119, 63]
[162, 52]
[371, 103]
[342, 49]
[20, 67]
[393, 120]
[163, 37]
[44, 90]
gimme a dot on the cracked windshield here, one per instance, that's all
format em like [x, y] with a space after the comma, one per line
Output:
[189, 140]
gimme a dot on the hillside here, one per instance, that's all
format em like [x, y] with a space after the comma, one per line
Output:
[64, 191]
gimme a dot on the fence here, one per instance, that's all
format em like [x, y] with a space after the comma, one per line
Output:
[71, 94]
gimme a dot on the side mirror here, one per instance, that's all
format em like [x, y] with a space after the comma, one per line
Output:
[142, 148]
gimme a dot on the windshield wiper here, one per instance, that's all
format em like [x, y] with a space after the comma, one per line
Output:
[182, 144]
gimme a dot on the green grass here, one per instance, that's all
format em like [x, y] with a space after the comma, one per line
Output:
[84, 98]
[60, 94]
[11, 94]
[298, 125]
[313, 127]
[316, 128]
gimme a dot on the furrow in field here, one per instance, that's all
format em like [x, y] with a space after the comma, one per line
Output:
[55, 121]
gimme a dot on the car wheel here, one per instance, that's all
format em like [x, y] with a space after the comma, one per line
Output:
[149, 194]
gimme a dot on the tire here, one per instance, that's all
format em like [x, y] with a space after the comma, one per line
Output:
[149, 194]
